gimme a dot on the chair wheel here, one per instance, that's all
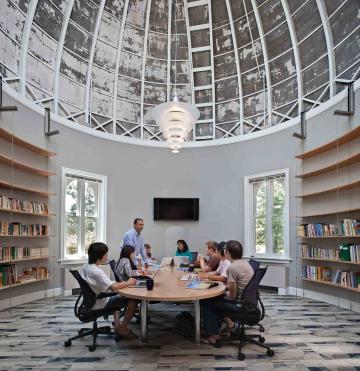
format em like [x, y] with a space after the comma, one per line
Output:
[92, 347]
[241, 356]
[261, 339]
[270, 353]
[67, 344]
[80, 331]
[261, 328]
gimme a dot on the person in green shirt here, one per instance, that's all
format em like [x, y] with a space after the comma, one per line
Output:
[183, 249]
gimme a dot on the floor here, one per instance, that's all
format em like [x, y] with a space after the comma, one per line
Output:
[305, 335]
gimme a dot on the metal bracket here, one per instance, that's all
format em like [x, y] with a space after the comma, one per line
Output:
[302, 135]
[4, 108]
[351, 99]
[47, 130]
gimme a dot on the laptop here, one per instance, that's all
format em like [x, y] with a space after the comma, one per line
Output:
[181, 260]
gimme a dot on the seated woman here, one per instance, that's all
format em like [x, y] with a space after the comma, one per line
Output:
[221, 272]
[100, 283]
[214, 310]
[125, 266]
[148, 252]
[183, 249]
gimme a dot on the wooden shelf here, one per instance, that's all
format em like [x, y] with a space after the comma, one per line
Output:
[22, 236]
[348, 137]
[19, 165]
[331, 260]
[331, 284]
[331, 213]
[24, 283]
[22, 143]
[338, 165]
[12, 261]
[10, 211]
[318, 237]
[332, 190]
[23, 189]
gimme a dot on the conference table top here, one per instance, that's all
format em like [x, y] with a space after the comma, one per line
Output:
[168, 286]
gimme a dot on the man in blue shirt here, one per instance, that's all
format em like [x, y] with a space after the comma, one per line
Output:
[134, 238]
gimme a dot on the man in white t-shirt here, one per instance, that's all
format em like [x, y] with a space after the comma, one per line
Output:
[99, 282]
[221, 272]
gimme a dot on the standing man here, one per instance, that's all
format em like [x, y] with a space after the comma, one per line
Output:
[134, 238]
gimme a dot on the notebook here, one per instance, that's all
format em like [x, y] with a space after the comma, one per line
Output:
[198, 285]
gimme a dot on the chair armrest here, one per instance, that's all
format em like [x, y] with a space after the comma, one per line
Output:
[106, 295]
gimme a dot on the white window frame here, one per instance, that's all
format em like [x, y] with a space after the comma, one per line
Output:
[249, 220]
[101, 234]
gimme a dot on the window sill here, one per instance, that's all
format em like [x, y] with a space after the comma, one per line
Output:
[279, 261]
[71, 262]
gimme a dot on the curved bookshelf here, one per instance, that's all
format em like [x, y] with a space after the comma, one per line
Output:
[348, 137]
[20, 165]
[336, 212]
[321, 237]
[331, 284]
[331, 260]
[24, 144]
[10, 211]
[24, 189]
[331, 190]
[11, 261]
[338, 165]
[23, 236]
[24, 283]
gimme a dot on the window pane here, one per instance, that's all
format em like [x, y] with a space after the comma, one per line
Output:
[71, 235]
[71, 197]
[278, 197]
[91, 197]
[90, 232]
[260, 235]
[260, 199]
[278, 235]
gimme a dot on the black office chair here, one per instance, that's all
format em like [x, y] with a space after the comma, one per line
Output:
[254, 264]
[252, 316]
[112, 264]
[85, 314]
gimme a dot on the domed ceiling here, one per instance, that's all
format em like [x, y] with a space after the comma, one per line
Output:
[246, 64]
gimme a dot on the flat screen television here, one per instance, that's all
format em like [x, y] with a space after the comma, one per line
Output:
[176, 209]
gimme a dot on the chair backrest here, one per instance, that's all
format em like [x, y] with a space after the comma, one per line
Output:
[112, 264]
[250, 292]
[89, 297]
[254, 264]
[194, 255]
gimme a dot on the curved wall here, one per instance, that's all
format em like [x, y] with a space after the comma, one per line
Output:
[136, 174]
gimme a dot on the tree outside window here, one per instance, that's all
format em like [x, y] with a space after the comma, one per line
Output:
[83, 213]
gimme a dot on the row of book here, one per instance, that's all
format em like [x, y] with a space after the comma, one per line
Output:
[10, 203]
[346, 252]
[9, 274]
[317, 230]
[309, 251]
[8, 253]
[325, 274]
[350, 227]
[18, 229]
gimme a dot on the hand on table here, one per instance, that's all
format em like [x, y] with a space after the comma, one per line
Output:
[131, 281]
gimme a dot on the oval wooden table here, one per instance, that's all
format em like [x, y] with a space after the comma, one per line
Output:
[168, 286]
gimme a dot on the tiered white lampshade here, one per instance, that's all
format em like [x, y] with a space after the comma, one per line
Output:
[175, 120]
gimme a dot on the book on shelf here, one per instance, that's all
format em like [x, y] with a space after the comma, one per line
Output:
[317, 230]
[19, 229]
[310, 251]
[350, 227]
[10, 203]
[8, 253]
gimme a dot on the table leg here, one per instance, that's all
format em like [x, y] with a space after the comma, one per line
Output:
[197, 322]
[144, 305]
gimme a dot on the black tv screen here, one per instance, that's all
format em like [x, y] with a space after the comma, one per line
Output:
[176, 209]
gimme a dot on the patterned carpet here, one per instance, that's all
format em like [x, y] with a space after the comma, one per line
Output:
[305, 335]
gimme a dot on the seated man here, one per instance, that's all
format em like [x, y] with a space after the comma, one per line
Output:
[214, 310]
[213, 261]
[221, 272]
[99, 282]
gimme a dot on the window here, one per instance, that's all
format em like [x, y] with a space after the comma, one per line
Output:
[83, 212]
[267, 215]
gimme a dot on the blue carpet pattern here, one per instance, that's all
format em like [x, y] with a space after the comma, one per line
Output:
[305, 335]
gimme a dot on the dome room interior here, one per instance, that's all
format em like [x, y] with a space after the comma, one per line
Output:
[208, 121]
